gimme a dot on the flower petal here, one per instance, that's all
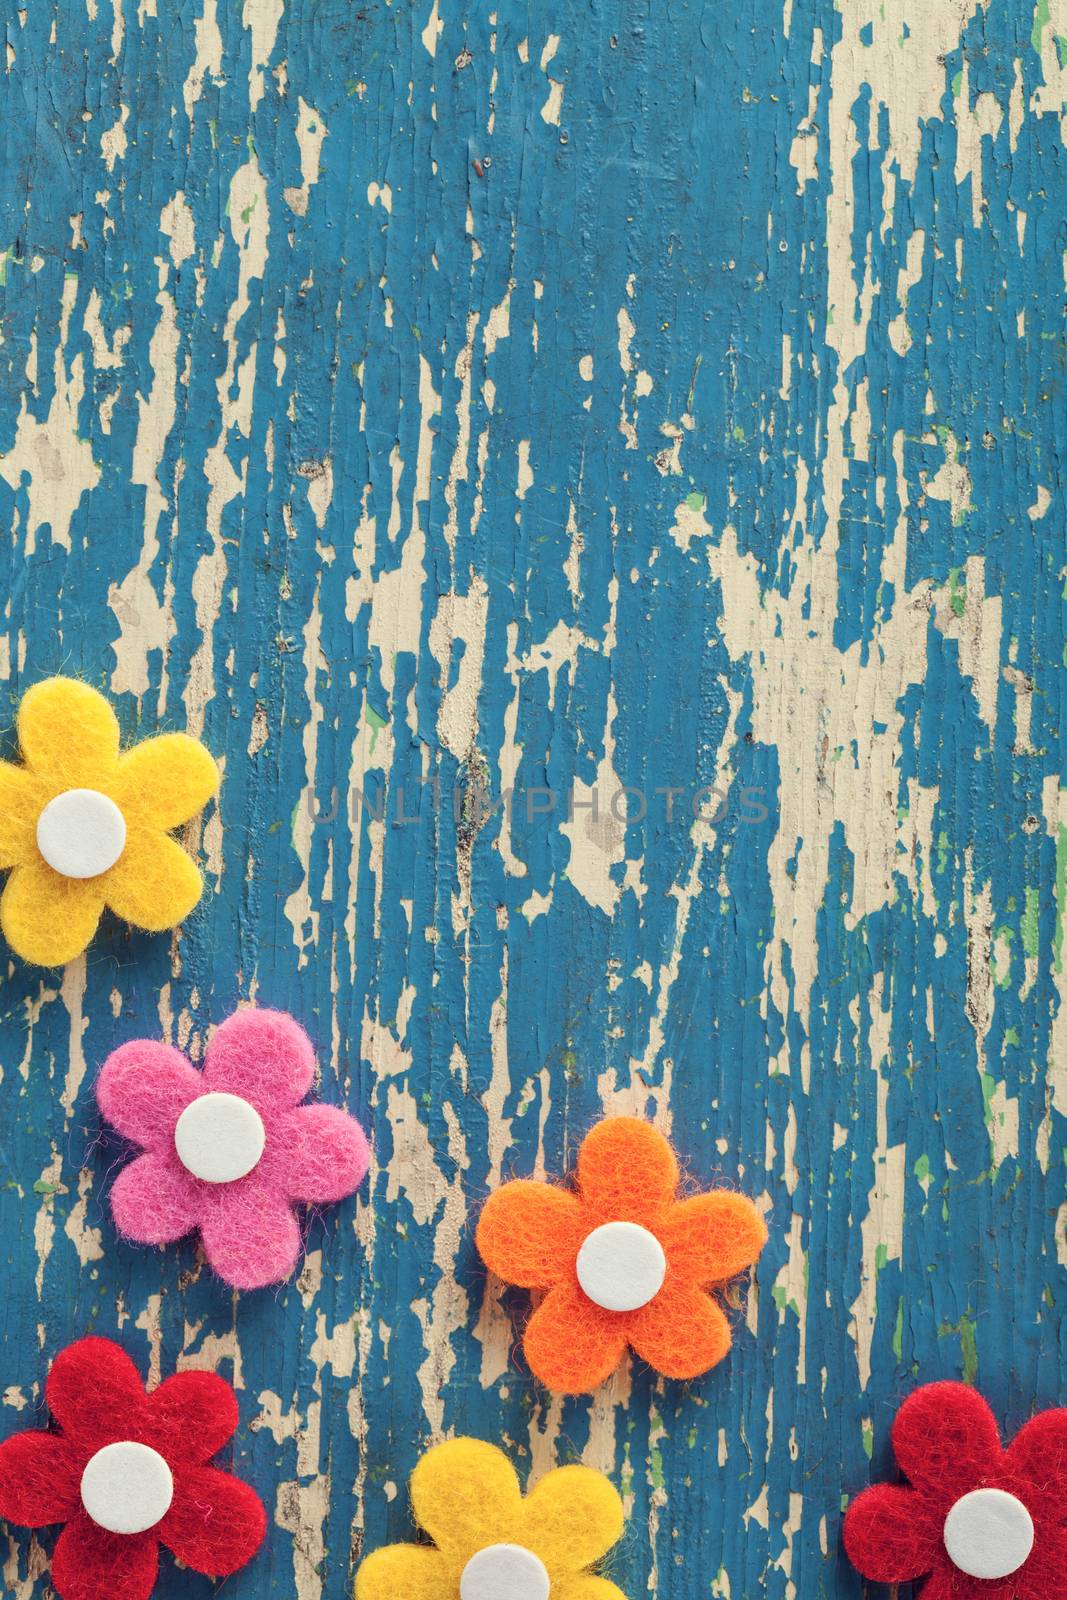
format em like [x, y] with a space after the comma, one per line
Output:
[215, 1524]
[529, 1233]
[949, 1583]
[68, 734]
[570, 1518]
[91, 1564]
[190, 1417]
[94, 1392]
[316, 1155]
[891, 1535]
[22, 799]
[143, 1088]
[571, 1344]
[405, 1572]
[155, 1201]
[39, 1480]
[586, 1587]
[264, 1056]
[166, 780]
[1039, 1453]
[681, 1333]
[712, 1237]
[1044, 1575]
[154, 884]
[48, 919]
[627, 1171]
[465, 1495]
[251, 1237]
[944, 1438]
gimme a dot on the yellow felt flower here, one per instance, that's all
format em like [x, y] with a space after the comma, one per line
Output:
[491, 1543]
[83, 826]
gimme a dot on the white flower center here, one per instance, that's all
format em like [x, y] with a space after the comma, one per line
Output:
[81, 833]
[621, 1266]
[988, 1534]
[504, 1572]
[219, 1137]
[127, 1487]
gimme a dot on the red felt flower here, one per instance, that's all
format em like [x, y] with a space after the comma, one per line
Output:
[126, 1471]
[624, 1260]
[976, 1521]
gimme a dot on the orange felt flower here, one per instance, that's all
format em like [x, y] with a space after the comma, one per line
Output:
[624, 1260]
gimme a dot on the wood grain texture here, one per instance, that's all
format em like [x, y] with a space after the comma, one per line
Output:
[433, 403]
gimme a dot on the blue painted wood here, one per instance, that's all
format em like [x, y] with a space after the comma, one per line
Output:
[659, 397]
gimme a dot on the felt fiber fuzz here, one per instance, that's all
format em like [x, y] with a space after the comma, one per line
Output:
[490, 1539]
[84, 825]
[974, 1520]
[228, 1151]
[121, 1455]
[624, 1260]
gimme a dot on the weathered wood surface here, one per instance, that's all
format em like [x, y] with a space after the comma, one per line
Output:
[658, 396]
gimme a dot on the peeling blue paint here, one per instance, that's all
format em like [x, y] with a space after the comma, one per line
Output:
[362, 394]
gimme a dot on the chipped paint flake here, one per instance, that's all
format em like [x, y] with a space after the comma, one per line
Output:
[57, 462]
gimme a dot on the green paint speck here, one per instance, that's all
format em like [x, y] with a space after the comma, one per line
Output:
[1028, 924]
[376, 722]
[964, 1328]
[942, 851]
[1004, 936]
[1061, 898]
[989, 1089]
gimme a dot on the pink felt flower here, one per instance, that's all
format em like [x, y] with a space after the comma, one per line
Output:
[230, 1150]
